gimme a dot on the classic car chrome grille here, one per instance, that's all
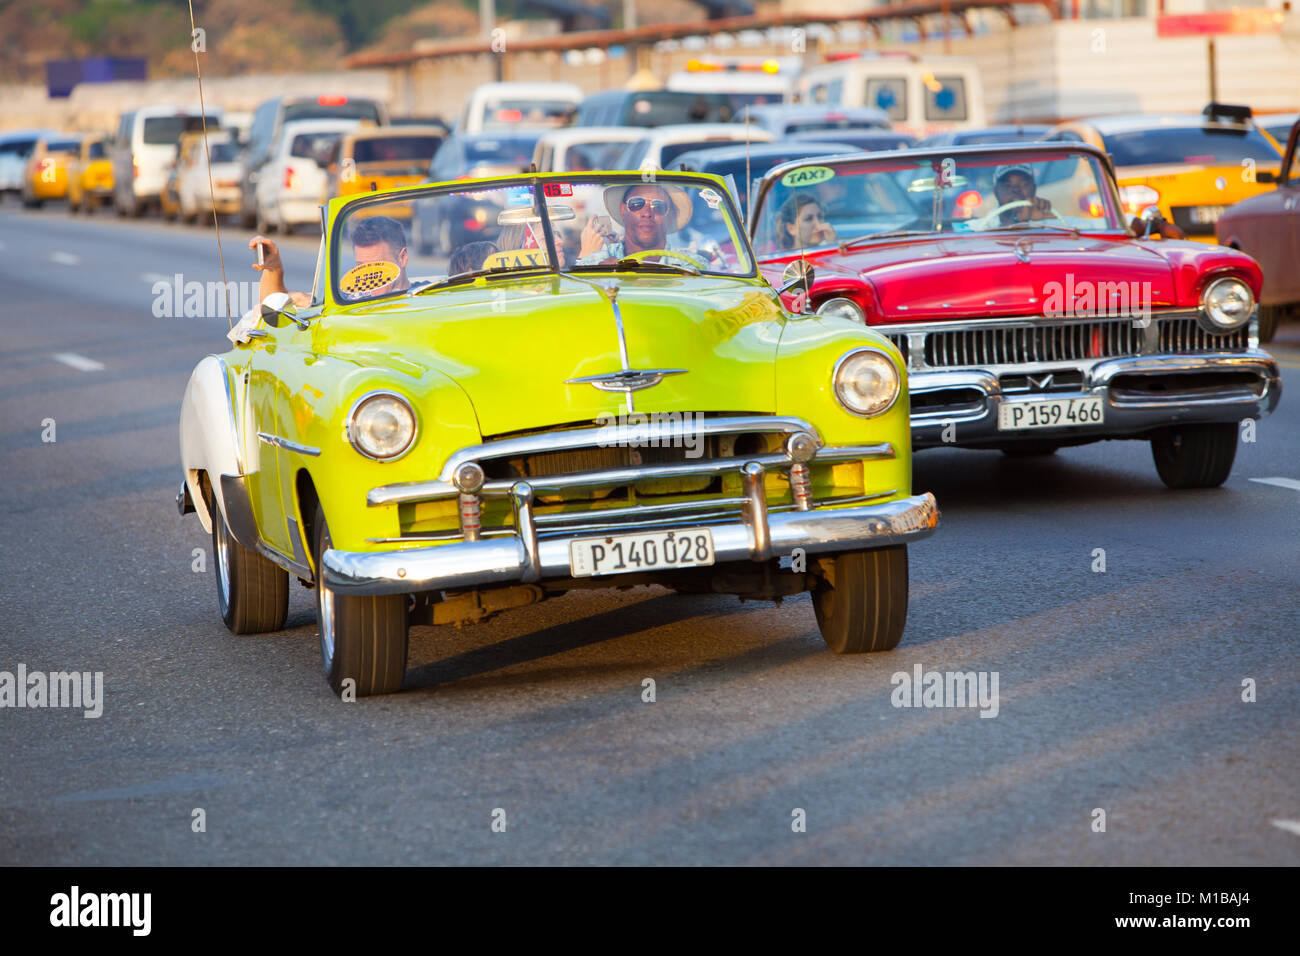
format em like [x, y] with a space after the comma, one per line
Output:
[1017, 345]
[751, 457]
[1186, 335]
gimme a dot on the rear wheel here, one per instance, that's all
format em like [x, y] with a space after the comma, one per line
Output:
[252, 592]
[363, 638]
[1195, 456]
[863, 605]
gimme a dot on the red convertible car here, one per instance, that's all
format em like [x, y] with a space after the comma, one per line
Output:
[1267, 227]
[1031, 313]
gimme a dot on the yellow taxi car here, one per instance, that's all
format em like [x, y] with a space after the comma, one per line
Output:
[383, 157]
[90, 176]
[1190, 166]
[46, 174]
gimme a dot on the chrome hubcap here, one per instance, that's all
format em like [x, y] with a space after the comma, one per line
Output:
[325, 612]
[223, 559]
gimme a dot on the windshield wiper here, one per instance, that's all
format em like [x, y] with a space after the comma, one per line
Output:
[632, 265]
[893, 234]
[1033, 224]
[470, 276]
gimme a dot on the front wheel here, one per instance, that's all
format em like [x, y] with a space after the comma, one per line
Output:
[252, 592]
[363, 638]
[1269, 316]
[1195, 456]
[861, 605]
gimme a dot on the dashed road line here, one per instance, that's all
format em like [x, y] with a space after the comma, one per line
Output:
[1290, 826]
[79, 362]
[65, 258]
[154, 277]
[1291, 483]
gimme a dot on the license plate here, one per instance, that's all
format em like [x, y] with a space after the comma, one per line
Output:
[1206, 215]
[1049, 413]
[625, 553]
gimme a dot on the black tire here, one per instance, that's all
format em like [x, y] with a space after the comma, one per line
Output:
[1269, 317]
[252, 592]
[866, 610]
[1195, 456]
[1030, 449]
[362, 637]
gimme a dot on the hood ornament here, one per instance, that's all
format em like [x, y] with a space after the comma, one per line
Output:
[1023, 248]
[628, 380]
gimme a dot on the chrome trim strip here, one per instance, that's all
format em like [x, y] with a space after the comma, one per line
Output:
[503, 560]
[628, 380]
[287, 445]
[635, 511]
[630, 474]
[1027, 321]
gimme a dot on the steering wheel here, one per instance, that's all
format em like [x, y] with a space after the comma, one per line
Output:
[638, 256]
[991, 220]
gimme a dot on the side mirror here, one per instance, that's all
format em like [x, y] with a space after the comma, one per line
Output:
[799, 272]
[1264, 176]
[278, 306]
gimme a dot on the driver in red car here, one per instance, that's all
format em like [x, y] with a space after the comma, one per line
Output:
[1015, 184]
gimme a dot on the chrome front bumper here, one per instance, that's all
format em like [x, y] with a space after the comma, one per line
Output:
[528, 557]
[1127, 410]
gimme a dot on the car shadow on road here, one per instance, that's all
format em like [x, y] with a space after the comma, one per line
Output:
[991, 479]
[569, 635]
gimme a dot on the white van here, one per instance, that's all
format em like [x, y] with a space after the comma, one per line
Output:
[921, 96]
[144, 149]
[502, 106]
[747, 80]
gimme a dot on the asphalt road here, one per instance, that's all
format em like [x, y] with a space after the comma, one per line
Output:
[1118, 690]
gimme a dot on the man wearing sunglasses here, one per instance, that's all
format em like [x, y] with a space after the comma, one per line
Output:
[648, 213]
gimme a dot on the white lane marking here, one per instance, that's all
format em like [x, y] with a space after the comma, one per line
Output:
[1291, 826]
[154, 277]
[1280, 482]
[65, 258]
[79, 362]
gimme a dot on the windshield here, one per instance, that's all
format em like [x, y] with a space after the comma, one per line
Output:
[314, 109]
[388, 149]
[582, 157]
[508, 112]
[817, 205]
[429, 239]
[1198, 146]
[63, 146]
[166, 130]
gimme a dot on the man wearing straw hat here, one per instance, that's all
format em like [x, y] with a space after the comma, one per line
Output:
[648, 213]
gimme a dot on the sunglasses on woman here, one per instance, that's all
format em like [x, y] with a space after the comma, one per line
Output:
[657, 206]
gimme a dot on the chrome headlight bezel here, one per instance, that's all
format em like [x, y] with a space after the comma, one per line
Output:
[354, 433]
[843, 368]
[1211, 311]
[844, 308]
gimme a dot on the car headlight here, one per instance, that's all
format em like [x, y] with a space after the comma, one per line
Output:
[1226, 305]
[381, 425]
[844, 309]
[866, 381]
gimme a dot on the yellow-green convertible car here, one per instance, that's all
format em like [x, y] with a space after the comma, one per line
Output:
[598, 390]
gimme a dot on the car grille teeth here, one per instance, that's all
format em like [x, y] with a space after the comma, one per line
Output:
[1073, 342]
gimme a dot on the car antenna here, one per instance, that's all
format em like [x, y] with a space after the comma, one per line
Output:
[207, 161]
[748, 197]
